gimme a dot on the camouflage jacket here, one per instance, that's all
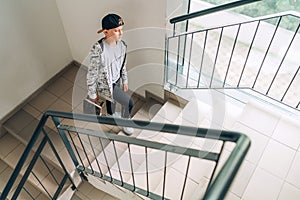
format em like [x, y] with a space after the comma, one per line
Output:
[99, 76]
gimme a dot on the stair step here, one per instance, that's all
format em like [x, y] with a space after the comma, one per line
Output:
[197, 180]
[138, 152]
[5, 173]
[25, 134]
[120, 147]
[11, 157]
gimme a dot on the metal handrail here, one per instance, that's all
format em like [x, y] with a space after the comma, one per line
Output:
[217, 187]
[256, 19]
[257, 24]
[211, 10]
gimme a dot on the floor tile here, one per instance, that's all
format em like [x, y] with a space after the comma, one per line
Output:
[294, 173]
[3, 166]
[59, 86]
[109, 197]
[277, 159]
[258, 142]
[96, 194]
[169, 111]
[173, 184]
[231, 196]
[288, 132]
[195, 111]
[289, 192]
[60, 105]
[74, 73]
[260, 119]
[81, 81]
[43, 101]
[4, 177]
[263, 185]
[232, 113]
[13, 157]
[242, 178]
[19, 121]
[7, 144]
[26, 133]
[75, 96]
[32, 111]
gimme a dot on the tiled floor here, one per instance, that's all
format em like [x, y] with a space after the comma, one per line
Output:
[271, 167]
[269, 171]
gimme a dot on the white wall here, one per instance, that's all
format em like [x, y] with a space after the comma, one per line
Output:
[33, 48]
[144, 33]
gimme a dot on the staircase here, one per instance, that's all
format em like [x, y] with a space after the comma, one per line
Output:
[48, 172]
[200, 111]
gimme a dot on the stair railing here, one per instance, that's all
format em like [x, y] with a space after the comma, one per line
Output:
[33, 153]
[89, 156]
[260, 55]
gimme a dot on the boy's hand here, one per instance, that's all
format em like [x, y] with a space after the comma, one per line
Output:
[95, 100]
[125, 87]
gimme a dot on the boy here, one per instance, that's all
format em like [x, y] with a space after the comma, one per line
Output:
[107, 69]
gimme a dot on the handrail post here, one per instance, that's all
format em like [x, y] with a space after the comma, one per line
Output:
[67, 144]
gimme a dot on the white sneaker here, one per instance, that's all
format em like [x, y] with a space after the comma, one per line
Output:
[117, 115]
[128, 130]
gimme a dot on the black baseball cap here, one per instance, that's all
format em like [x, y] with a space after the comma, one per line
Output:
[111, 21]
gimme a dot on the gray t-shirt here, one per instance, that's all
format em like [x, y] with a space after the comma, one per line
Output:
[112, 57]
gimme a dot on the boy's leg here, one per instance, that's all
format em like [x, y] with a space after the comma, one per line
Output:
[124, 99]
[110, 107]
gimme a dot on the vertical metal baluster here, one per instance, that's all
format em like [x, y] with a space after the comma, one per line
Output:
[95, 157]
[216, 165]
[283, 59]
[118, 164]
[67, 144]
[131, 166]
[233, 48]
[166, 77]
[60, 187]
[202, 59]
[76, 149]
[56, 181]
[85, 153]
[105, 158]
[147, 174]
[185, 35]
[174, 29]
[32, 197]
[265, 56]
[291, 82]
[29, 170]
[216, 58]
[185, 178]
[189, 65]
[247, 57]
[40, 182]
[177, 63]
[165, 175]
[58, 158]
